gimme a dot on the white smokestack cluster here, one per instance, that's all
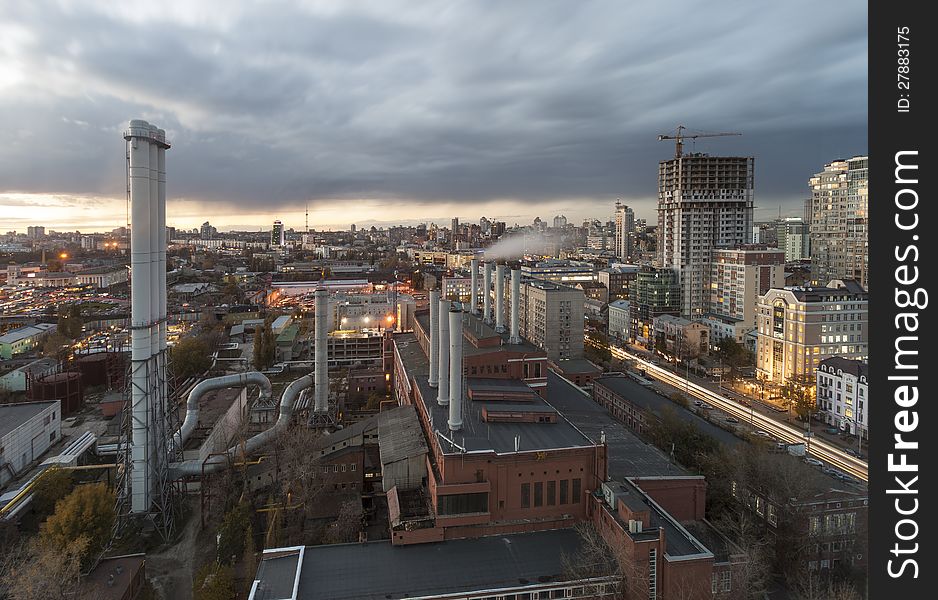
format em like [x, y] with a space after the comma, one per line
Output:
[146, 150]
[515, 306]
[434, 340]
[442, 397]
[474, 286]
[500, 298]
[487, 294]
[321, 357]
[455, 369]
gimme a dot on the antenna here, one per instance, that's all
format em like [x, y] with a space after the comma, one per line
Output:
[307, 217]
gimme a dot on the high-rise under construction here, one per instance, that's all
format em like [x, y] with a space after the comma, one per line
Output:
[704, 202]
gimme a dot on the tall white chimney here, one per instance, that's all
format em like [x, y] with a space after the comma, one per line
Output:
[500, 298]
[161, 232]
[487, 293]
[321, 356]
[515, 306]
[455, 369]
[145, 149]
[434, 335]
[442, 397]
[474, 286]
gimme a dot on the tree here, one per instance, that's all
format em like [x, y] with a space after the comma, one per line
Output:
[214, 582]
[752, 576]
[265, 347]
[35, 571]
[347, 524]
[733, 355]
[52, 486]
[56, 346]
[70, 321]
[231, 535]
[86, 513]
[189, 357]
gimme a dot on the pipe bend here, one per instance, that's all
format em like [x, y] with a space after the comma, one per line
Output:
[217, 383]
[214, 463]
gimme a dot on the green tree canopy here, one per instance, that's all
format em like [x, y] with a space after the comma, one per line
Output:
[86, 513]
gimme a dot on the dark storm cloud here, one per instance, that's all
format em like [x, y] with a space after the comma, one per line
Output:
[271, 105]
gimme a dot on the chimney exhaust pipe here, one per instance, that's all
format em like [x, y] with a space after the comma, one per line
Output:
[434, 335]
[321, 357]
[515, 306]
[455, 369]
[474, 286]
[500, 298]
[442, 397]
[487, 294]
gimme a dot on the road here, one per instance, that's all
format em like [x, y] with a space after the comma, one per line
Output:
[818, 448]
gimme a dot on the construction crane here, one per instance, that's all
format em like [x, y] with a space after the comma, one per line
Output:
[680, 136]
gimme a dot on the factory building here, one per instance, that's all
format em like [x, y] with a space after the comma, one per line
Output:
[26, 431]
[23, 339]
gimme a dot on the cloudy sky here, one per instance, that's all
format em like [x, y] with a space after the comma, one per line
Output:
[405, 111]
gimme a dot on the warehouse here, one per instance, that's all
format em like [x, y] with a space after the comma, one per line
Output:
[26, 432]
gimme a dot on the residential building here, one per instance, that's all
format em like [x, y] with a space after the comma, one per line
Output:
[620, 320]
[568, 272]
[560, 221]
[794, 239]
[839, 222]
[843, 394]
[277, 234]
[35, 232]
[456, 288]
[617, 279]
[739, 276]
[721, 327]
[654, 292]
[551, 318]
[681, 338]
[799, 327]
[625, 232]
[704, 202]
[207, 231]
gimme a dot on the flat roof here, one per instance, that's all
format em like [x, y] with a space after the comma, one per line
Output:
[381, 571]
[477, 435]
[14, 415]
[628, 456]
[656, 403]
[25, 332]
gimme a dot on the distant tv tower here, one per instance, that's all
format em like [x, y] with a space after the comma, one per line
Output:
[307, 217]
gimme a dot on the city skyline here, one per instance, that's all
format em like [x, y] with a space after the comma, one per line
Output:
[419, 117]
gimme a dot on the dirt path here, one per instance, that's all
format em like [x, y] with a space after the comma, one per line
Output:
[171, 571]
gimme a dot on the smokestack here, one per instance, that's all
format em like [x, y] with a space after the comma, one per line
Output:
[487, 294]
[442, 397]
[145, 147]
[500, 298]
[434, 334]
[161, 266]
[455, 369]
[321, 357]
[515, 306]
[474, 286]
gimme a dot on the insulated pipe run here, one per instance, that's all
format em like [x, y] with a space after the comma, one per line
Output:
[214, 463]
[455, 369]
[487, 294]
[515, 306]
[434, 335]
[442, 397]
[321, 365]
[500, 298]
[474, 286]
[217, 383]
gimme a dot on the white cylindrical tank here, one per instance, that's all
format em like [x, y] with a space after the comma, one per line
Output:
[500, 298]
[442, 397]
[434, 335]
[137, 138]
[455, 369]
[487, 293]
[515, 306]
[321, 357]
[474, 286]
